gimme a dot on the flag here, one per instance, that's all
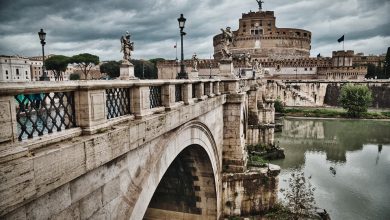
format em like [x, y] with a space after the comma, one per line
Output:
[341, 39]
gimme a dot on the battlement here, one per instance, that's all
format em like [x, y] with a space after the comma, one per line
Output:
[344, 69]
[343, 53]
[259, 14]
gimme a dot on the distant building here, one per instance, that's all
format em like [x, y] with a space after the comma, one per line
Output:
[258, 35]
[361, 60]
[284, 53]
[14, 69]
[36, 68]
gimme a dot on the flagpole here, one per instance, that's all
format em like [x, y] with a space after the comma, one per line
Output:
[176, 49]
[343, 41]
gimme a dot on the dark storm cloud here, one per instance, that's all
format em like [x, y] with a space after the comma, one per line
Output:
[95, 26]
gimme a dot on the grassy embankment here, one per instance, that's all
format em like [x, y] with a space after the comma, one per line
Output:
[332, 113]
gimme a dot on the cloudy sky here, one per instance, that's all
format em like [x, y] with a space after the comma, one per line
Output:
[95, 26]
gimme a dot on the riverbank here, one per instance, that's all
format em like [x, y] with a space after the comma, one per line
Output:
[333, 113]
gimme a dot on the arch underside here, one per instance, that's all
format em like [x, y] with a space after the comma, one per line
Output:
[183, 179]
[187, 190]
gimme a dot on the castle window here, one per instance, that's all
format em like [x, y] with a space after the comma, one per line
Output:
[305, 69]
[269, 23]
[5, 60]
[256, 31]
[6, 72]
[305, 34]
[17, 72]
[298, 33]
[311, 68]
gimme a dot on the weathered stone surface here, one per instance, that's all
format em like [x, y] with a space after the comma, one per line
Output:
[71, 212]
[90, 204]
[7, 119]
[16, 176]
[49, 204]
[111, 190]
[57, 167]
[19, 214]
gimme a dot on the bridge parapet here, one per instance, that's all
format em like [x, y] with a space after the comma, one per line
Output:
[31, 110]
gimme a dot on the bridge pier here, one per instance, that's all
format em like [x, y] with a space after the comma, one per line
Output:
[246, 190]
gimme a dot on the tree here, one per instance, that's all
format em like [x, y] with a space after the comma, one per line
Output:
[85, 62]
[299, 197]
[58, 65]
[144, 69]
[355, 99]
[74, 76]
[112, 68]
[279, 105]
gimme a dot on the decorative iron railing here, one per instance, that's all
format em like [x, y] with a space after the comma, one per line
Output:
[178, 93]
[117, 102]
[155, 96]
[43, 113]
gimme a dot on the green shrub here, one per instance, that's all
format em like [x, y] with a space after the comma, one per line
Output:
[387, 114]
[257, 161]
[355, 99]
[279, 106]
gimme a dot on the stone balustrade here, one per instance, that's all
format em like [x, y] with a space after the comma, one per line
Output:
[92, 105]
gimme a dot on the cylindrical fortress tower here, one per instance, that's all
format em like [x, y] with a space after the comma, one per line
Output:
[258, 35]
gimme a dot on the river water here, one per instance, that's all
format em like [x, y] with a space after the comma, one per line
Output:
[348, 161]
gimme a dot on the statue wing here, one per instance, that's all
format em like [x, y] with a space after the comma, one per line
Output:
[122, 43]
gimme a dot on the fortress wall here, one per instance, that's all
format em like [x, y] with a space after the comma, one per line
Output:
[380, 94]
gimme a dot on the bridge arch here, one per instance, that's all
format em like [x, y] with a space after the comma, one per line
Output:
[192, 139]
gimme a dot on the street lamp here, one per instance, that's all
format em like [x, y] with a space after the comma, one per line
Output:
[182, 74]
[42, 36]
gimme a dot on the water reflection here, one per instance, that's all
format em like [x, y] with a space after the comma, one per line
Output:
[334, 137]
[349, 161]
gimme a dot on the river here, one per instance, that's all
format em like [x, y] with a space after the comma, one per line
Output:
[348, 161]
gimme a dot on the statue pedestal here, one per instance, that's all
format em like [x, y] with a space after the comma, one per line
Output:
[194, 74]
[226, 69]
[127, 71]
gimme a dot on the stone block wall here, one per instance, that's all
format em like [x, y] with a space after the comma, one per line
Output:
[234, 153]
[250, 193]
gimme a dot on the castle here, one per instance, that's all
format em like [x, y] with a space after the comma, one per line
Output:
[284, 53]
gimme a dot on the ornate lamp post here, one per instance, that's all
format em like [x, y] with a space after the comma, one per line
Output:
[42, 36]
[182, 74]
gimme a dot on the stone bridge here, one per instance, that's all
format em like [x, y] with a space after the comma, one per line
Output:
[134, 149]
